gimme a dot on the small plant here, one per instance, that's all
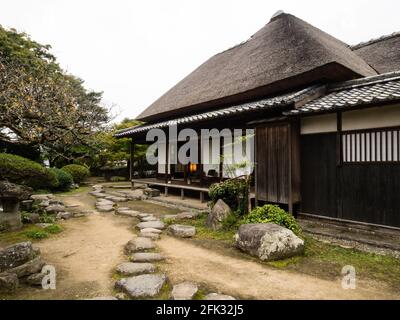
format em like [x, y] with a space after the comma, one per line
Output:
[25, 217]
[64, 179]
[37, 234]
[79, 173]
[233, 192]
[45, 218]
[54, 228]
[273, 214]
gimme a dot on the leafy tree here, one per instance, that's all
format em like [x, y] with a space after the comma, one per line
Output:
[41, 105]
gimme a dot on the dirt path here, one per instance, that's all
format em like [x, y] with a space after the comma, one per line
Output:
[86, 253]
[251, 280]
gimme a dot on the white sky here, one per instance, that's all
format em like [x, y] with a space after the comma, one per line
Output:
[135, 51]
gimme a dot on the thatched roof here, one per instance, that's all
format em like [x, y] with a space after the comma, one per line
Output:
[285, 54]
[382, 54]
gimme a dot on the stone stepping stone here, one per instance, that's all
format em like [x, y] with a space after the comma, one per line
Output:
[65, 215]
[151, 230]
[105, 208]
[142, 215]
[151, 224]
[184, 291]
[98, 195]
[103, 202]
[181, 231]
[187, 215]
[133, 269]
[218, 296]
[128, 213]
[149, 218]
[146, 285]
[146, 257]
[138, 244]
[153, 236]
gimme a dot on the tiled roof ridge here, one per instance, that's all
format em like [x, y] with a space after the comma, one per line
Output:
[375, 40]
[395, 75]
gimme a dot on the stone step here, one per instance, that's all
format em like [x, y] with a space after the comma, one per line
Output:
[135, 268]
[146, 285]
[146, 257]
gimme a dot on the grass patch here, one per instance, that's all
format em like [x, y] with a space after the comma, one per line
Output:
[226, 234]
[36, 234]
[54, 229]
[165, 292]
[28, 233]
[327, 261]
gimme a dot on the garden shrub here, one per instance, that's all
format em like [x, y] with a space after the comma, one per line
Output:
[64, 179]
[23, 171]
[79, 173]
[273, 214]
[233, 192]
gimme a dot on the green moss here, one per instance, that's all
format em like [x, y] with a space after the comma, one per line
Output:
[199, 295]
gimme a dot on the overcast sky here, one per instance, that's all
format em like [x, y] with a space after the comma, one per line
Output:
[135, 51]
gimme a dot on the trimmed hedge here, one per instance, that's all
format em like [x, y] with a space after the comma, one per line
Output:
[273, 214]
[20, 170]
[79, 173]
[64, 179]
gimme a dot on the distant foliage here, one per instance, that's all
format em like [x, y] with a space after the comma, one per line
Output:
[64, 179]
[20, 170]
[79, 173]
[273, 214]
[233, 192]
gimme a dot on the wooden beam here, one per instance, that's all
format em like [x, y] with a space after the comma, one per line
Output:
[221, 153]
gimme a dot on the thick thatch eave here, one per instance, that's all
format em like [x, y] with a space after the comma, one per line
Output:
[286, 54]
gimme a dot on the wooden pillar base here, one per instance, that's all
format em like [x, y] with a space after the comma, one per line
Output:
[166, 192]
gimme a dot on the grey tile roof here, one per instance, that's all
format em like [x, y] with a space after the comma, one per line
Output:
[365, 91]
[278, 101]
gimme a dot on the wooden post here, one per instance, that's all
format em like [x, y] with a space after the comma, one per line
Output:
[255, 169]
[132, 162]
[290, 128]
[182, 194]
[221, 153]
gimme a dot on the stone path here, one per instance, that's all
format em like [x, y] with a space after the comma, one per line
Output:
[142, 279]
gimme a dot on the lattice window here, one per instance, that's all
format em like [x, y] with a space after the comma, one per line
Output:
[377, 145]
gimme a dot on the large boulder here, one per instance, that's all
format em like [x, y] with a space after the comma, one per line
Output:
[147, 285]
[181, 231]
[31, 267]
[8, 282]
[219, 213]
[16, 255]
[268, 241]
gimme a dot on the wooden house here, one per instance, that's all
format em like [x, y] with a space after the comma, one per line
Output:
[326, 117]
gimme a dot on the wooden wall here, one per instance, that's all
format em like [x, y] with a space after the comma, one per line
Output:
[277, 163]
[366, 192]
